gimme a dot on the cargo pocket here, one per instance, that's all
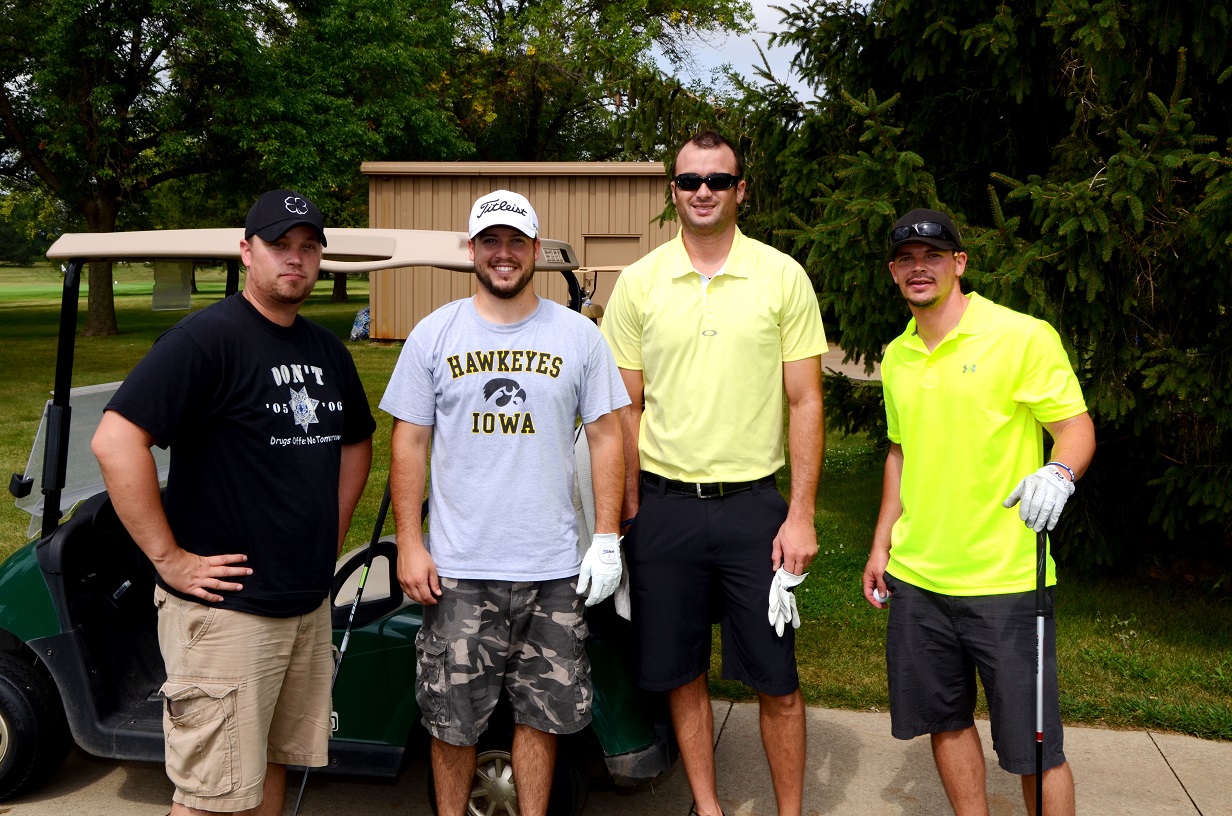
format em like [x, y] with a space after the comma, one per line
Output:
[432, 686]
[581, 669]
[203, 748]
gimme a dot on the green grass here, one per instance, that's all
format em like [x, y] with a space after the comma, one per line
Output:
[1133, 653]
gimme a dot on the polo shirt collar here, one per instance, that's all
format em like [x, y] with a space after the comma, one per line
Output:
[682, 265]
[976, 319]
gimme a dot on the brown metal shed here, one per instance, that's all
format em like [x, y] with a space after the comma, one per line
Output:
[606, 210]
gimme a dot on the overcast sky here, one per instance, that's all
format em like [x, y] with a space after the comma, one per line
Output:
[741, 53]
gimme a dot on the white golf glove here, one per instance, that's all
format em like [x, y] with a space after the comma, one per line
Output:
[600, 568]
[1042, 495]
[783, 600]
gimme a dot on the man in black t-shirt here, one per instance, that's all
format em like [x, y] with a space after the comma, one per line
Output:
[270, 438]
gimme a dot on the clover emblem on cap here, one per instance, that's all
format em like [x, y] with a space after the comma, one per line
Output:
[295, 204]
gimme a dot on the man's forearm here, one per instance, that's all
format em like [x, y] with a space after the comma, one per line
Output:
[352, 477]
[630, 426]
[607, 468]
[891, 499]
[408, 474]
[805, 432]
[131, 477]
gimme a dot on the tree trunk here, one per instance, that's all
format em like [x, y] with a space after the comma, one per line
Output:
[100, 314]
[339, 294]
[100, 216]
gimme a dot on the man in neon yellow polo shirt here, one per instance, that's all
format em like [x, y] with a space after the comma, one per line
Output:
[710, 332]
[970, 387]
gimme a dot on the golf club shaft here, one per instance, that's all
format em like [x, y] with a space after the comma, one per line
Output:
[377, 529]
[1041, 570]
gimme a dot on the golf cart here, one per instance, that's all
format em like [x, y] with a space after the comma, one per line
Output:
[79, 656]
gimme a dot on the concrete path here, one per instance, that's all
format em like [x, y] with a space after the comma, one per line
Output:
[832, 362]
[855, 769]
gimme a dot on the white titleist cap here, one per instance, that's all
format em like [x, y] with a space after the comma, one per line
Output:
[506, 209]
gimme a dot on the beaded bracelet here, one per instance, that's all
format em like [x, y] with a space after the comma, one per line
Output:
[1065, 468]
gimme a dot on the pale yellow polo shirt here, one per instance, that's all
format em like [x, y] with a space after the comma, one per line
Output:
[711, 355]
[968, 415]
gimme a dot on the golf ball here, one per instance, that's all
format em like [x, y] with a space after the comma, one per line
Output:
[880, 598]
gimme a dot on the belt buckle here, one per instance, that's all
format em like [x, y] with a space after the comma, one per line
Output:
[717, 494]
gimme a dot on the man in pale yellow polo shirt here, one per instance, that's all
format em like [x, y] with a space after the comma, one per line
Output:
[711, 331]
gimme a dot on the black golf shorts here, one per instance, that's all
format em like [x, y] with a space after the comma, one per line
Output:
[935, 646]
[694, 562]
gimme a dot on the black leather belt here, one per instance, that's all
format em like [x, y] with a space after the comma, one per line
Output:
[702, 490]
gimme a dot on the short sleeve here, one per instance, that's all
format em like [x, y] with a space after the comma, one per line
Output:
[1046, 382]
[171, 388]
[803, 335]
[411, 392]
[622, 323]
[603, 389]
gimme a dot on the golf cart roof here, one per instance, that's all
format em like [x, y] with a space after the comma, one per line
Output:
[349, 249]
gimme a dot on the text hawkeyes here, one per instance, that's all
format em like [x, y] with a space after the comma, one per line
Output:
[504, 362]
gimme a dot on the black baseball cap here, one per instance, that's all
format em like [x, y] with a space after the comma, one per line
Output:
[922, 226]
[278, 211]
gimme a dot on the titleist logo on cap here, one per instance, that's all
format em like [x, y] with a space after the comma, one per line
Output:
[499, 205]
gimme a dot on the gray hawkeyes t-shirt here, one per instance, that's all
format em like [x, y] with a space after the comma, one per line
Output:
[503, 400]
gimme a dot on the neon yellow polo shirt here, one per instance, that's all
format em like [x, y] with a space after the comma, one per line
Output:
[711, 353]
[968, 418]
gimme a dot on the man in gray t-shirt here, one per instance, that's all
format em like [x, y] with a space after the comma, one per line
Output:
[496, 383]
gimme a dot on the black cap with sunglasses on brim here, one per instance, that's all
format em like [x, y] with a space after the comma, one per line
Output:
[924, 227]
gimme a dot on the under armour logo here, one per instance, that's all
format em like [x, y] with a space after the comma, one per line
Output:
[969, 369]
[295, 204]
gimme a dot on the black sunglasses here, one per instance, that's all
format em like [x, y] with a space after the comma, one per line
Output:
[715, 181]
[924, 229]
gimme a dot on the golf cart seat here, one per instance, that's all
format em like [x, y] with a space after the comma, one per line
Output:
[382, 593]
[103, 587]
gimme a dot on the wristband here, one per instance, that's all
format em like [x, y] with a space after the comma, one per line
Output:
[1065, 468]
[627, 522]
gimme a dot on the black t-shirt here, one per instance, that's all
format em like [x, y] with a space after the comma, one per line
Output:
[256, 415]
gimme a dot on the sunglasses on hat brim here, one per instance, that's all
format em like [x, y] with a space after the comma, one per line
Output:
[924, 229]
[715, 181]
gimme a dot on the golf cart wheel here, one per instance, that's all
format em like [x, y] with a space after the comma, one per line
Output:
[34, 738]
[493, 791]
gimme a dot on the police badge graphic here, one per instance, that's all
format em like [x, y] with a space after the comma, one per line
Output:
[304, 408]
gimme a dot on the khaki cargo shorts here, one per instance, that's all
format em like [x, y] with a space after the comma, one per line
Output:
[242, 690]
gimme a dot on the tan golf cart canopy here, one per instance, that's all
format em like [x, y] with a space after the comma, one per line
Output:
[350, 250]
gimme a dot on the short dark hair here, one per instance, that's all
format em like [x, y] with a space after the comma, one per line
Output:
[708, 140]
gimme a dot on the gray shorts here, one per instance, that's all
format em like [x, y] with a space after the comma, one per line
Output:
[935, 645]
[525, 638]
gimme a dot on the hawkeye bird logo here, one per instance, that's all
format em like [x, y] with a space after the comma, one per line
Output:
[506, 391]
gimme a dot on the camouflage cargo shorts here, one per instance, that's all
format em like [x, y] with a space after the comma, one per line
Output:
[482, 637]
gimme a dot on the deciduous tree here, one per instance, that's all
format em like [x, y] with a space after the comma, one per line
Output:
[101, 102]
